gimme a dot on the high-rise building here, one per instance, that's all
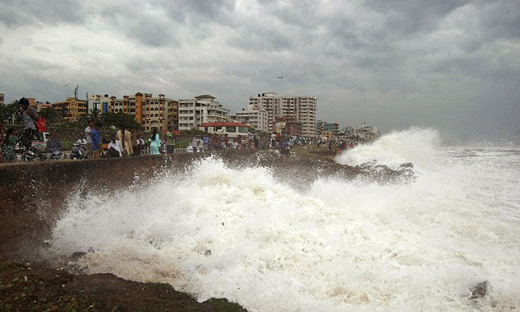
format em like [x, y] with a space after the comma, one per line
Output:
[201, 109]
[256, 118]
[2, 99]
[301, 108]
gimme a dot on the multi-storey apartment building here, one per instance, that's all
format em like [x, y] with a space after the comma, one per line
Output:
[150, 112]
[71, 109]
[301, 108]
[256, 118]
[100, 103]
[327, 129]
[2, 99]
[201, 109]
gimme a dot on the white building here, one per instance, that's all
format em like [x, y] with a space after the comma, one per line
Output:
[301, 108]
[201, 109]
[256, 118]
[232, 129]
[364, 128]
[99, 102]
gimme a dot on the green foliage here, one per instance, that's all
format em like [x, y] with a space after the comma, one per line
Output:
[7, 111]
[193, 131]
[50, 115]
[181, 144]
[66, 145]
[120, 120]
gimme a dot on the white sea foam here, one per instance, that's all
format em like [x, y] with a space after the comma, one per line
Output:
[341, 246]
[418, 146]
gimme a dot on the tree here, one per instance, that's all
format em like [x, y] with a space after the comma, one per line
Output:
[50, 115]
[193, 131]
[7, 111]
[120, 120]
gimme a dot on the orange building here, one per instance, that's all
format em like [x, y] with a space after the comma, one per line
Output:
[150, 112]
[71, 109]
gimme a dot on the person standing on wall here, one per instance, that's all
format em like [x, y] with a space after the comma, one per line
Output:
[29, 115]
[125, 137]
[155, 142]
[96, 140]
[170, 141]
[88, 137]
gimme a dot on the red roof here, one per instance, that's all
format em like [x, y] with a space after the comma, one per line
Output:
[223, 124]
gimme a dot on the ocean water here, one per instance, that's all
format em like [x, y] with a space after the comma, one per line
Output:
[334, 245]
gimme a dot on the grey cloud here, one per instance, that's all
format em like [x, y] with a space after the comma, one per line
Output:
[77, 49]
[478, 67]
[209, 8]
[261, 39]
[496, 20]
[16, 13]
[501, 19]
[137, 23]
[411, 16]
[379, 62]
[11, 18]
[42, 49]
[139, 65]
[301, 13]
[211, 11]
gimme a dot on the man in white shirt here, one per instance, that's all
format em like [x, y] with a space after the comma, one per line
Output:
[88, 137]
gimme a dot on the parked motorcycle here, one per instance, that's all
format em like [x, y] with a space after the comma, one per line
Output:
[30, 154]
[79, 149]
[55, 154]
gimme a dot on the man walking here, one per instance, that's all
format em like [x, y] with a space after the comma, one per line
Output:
[96, 141]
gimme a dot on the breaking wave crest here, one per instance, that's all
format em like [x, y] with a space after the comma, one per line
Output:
[339, 245]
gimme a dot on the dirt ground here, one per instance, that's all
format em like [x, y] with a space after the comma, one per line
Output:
[36, 287]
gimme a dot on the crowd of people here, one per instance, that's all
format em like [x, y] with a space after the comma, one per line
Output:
[126, 142]
[130, 142]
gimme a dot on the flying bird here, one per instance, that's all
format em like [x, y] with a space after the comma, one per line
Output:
[280, 77]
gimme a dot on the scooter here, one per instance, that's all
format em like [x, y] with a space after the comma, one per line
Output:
[79, 149]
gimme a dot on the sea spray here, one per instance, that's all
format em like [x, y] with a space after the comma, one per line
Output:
[337, 246]
[416, 145]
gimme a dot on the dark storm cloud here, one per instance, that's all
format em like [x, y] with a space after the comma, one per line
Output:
[16, 13]
[450, 64]
[261, 39]
[411, 16]
[208, 8]
[344, 31]
[301, 13]
[200, 11]
[138, 23]
[155, 23]
[501, 19]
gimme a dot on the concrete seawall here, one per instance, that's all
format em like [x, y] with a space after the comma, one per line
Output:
[33, 194]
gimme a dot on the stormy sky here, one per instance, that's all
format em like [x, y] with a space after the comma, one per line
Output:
[453, 65]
